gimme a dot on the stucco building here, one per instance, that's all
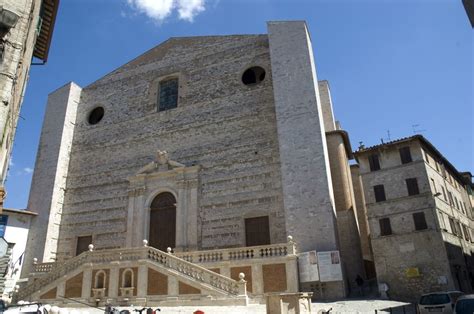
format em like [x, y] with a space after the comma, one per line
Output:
[26, 28]
[420, 216]
[218, 147]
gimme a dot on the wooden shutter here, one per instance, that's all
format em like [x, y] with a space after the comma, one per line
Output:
[83, 244]
[412, 186]
[374, 162]
[385, 227]
[379, 192]
[420, 221]
[257, 231]
[405, 155]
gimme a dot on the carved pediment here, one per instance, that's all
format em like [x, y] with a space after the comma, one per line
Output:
[162, 163]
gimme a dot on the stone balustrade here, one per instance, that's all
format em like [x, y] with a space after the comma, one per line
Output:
[240, 253]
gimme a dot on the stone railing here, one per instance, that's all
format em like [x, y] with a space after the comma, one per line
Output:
[182, 267]
[43, 267]
[241, 253]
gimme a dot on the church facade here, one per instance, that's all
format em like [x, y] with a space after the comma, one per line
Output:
[202, 144]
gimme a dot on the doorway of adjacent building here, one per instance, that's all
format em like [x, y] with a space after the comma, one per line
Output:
[257, 231]
[163, 222]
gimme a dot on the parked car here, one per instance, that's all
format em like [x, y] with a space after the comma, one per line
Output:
[464, 304]
[438, 302]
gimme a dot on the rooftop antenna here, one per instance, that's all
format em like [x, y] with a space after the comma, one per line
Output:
[388, 136]
[415, 129]
[361, 145]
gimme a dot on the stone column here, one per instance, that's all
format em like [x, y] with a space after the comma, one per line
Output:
[292, 282]
[181, 213]
[61, 288]
[114, 280]
[142, 280]
[87, 282]
[257, 279]
[173, 286]
[192, 217]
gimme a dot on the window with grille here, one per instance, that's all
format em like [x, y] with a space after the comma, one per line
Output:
[379, 192]
[412, 186]
[405, 155]
[374, 162]
[420, 221]
[168, 94]
[257, 231]
[385, 227]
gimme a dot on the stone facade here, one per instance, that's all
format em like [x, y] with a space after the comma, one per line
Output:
[428, 244]
[234, 151]
[20, 39]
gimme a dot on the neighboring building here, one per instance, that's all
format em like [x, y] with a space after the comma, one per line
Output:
[14, 228]
[420, 218]
[469, 7]
[215, 146]
[26, 28]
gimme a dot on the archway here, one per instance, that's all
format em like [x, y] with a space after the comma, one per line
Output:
[163, 221]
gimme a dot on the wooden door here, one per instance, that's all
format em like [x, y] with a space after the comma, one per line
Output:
[163, 222]
[257, 231]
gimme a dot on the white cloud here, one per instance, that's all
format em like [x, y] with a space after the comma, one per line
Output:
[28, 170]
[159, 10]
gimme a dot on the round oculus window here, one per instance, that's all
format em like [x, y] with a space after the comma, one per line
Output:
[96, 115]
[253, 75]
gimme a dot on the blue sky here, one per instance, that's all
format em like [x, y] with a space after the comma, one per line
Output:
[393, 66]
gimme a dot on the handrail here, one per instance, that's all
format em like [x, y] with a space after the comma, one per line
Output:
[167, 260]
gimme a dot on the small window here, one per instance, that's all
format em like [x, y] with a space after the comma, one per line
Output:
[412, 186]
[96, 115]
[466, 233]
[434, 185]
[451, 201]
[385, 227]
[420, 221]
[374, 162]
[444, 193]
[452, 225]
[405, 155]
[168, 94]
[379, 192]
[442, 225]
[427, 158]
[253, 75]
[83, 244]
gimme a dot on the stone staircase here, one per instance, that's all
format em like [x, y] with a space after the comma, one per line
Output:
[208, 280]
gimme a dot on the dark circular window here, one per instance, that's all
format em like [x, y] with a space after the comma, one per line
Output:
[253, 75]
[96, 115]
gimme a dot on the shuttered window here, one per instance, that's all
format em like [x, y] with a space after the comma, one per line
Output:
[385, 227]
[412, 186]
[83, 244]
[257, 231]
[374, 162]
[420, 221]
[379, 192]
[405, 155]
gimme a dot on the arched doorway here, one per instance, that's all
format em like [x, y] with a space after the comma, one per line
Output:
[163, 221]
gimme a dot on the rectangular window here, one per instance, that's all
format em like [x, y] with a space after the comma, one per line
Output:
[412, 186]
[257, 231]
[458, 229]
[385, 227]
[83, 244]
[405, 155]
[442, 225]
[168, 94]
[374, 162]
[379, 192]
[466, 233]
[434, 185]
[427, 157]
[437, 166]
[444, 193]
[420, 221]
[452, 225]
[451, 201]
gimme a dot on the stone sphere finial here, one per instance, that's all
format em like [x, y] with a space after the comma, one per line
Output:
[168, 250]
[145, 242]
[241, 276]
[91, 247]
[35, 261]
[290, 238]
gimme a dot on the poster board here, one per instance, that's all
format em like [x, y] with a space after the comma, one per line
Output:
[308, 266]
[329, 264]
